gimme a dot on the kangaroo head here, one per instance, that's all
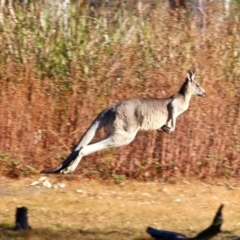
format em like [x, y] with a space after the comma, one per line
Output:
[193, 85]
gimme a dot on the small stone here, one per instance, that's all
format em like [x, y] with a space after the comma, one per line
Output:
[61, 185]
[79, 191]
[34, 183]
[47, 184]
[42, 179]
[177, 200]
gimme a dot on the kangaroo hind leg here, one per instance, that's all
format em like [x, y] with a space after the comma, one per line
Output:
[97, 124]
[117, 139]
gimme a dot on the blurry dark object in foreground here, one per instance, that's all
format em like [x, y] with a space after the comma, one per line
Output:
[21, 220]
[206, 234]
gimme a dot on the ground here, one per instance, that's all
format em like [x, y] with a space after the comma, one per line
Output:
[91, 209]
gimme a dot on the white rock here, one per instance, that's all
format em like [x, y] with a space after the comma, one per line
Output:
[178, 200]
[231, 187]
[34, 183]
[79, 191]
[42, 179]
[61, 185]
[47, 184]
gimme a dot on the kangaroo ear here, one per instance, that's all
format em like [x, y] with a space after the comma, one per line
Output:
[190, 75]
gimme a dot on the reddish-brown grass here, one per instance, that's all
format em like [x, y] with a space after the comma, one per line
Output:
[52, 88]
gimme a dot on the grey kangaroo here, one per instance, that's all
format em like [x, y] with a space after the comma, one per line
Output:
[123, 120]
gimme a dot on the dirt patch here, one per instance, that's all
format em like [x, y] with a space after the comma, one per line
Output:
[90, 209]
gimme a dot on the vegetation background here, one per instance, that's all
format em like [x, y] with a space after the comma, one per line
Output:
[57, 74]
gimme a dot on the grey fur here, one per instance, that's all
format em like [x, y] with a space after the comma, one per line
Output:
[123, 120]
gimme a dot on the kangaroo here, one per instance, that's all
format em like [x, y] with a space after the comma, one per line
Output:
[123, 120]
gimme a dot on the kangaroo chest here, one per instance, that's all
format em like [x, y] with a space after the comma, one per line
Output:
[181, 109]
[178, 107]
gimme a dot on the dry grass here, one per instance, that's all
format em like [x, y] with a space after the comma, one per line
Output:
[52, 88]
[104, 210]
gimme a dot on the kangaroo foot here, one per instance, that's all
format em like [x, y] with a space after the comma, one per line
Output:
[67, 170]
[166, 129]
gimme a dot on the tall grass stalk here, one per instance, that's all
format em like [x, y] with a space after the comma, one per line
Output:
[53, 84]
